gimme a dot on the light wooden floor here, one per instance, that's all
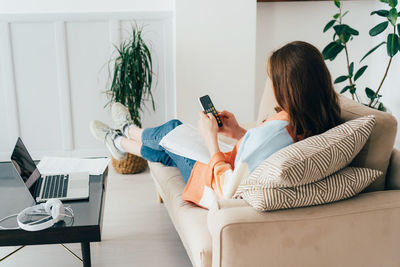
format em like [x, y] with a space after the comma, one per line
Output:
[137, 231]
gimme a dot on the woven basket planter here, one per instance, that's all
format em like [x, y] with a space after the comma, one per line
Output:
[129, 165]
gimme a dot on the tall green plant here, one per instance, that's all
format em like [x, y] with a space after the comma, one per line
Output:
[132, 75]
[344, 33]
[392, 45]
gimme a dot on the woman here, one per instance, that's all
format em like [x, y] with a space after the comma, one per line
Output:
[307, 105]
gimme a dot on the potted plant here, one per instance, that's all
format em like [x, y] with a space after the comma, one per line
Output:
[131, 82]
[344, 33]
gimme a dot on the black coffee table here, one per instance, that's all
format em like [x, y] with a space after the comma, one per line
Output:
[85, 228]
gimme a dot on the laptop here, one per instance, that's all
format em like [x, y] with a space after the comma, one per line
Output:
[66, 186]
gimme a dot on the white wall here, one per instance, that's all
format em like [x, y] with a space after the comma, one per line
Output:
[44, 6]
[53, 70]
[280, 23]
[215, 55]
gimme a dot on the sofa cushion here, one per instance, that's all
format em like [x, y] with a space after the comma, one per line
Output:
[190, 221]
[315, 157]
[341, 185]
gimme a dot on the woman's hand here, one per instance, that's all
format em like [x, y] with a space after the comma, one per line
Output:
[230, 126]
[208, 129]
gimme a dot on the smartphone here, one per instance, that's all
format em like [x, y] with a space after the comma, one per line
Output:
[206, 103]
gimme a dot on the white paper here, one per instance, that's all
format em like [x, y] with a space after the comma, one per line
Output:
[185, 141]
[59, 165]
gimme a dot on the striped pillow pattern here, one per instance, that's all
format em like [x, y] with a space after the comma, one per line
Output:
[344, 184]
[315, 157]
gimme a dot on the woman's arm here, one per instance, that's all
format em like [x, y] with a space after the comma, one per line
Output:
[208, 129]
[230, 126]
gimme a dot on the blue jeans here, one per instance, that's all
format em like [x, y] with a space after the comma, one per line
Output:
[152, 151]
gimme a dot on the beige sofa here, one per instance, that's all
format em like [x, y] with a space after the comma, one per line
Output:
[362, 231]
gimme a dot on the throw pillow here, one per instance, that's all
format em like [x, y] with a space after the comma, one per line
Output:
[315, 157]
[342, 185]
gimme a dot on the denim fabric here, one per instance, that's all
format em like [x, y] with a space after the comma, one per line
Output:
[152, 151]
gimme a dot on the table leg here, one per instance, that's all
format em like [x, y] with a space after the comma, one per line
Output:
[85, 246]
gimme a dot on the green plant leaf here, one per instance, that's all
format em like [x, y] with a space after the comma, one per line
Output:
[337, 3]
[329, 25]
[392, 44]
[351, 69]
[344, 37]
[332, 50]
[336, 16]
[370, 93]
[345, 13]
[344, 28]
[360, 72]
[398, 28]
[381, 107]
[353, 89]
[382, 13]
[344, 90]
[352, 31]
[372, 50]
[379, 28]
[393, 3]
[341, 79]
[393, 16]
[340, 29]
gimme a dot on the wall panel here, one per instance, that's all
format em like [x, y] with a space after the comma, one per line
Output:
[54, 71]
[36, 84]
[4, 135]
[88, 52]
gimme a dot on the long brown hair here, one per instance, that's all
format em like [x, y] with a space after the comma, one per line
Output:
[303, 88]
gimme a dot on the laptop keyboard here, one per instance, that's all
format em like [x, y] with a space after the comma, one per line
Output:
[55, 186]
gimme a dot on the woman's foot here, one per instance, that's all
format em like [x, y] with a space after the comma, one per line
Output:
[107, 136]
[121, 116]
[123, 121]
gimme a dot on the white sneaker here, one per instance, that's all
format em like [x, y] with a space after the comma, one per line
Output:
[107, 135]
[121, 116]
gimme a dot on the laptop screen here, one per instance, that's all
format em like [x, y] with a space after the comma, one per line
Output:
[25, 166]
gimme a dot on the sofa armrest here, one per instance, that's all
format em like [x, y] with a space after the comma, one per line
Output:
[362, 231]
[393, 174]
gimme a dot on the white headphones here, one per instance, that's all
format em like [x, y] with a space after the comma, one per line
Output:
[53, 208]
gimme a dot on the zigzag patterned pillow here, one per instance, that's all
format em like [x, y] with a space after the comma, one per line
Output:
[315, 157]
[341, 185]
